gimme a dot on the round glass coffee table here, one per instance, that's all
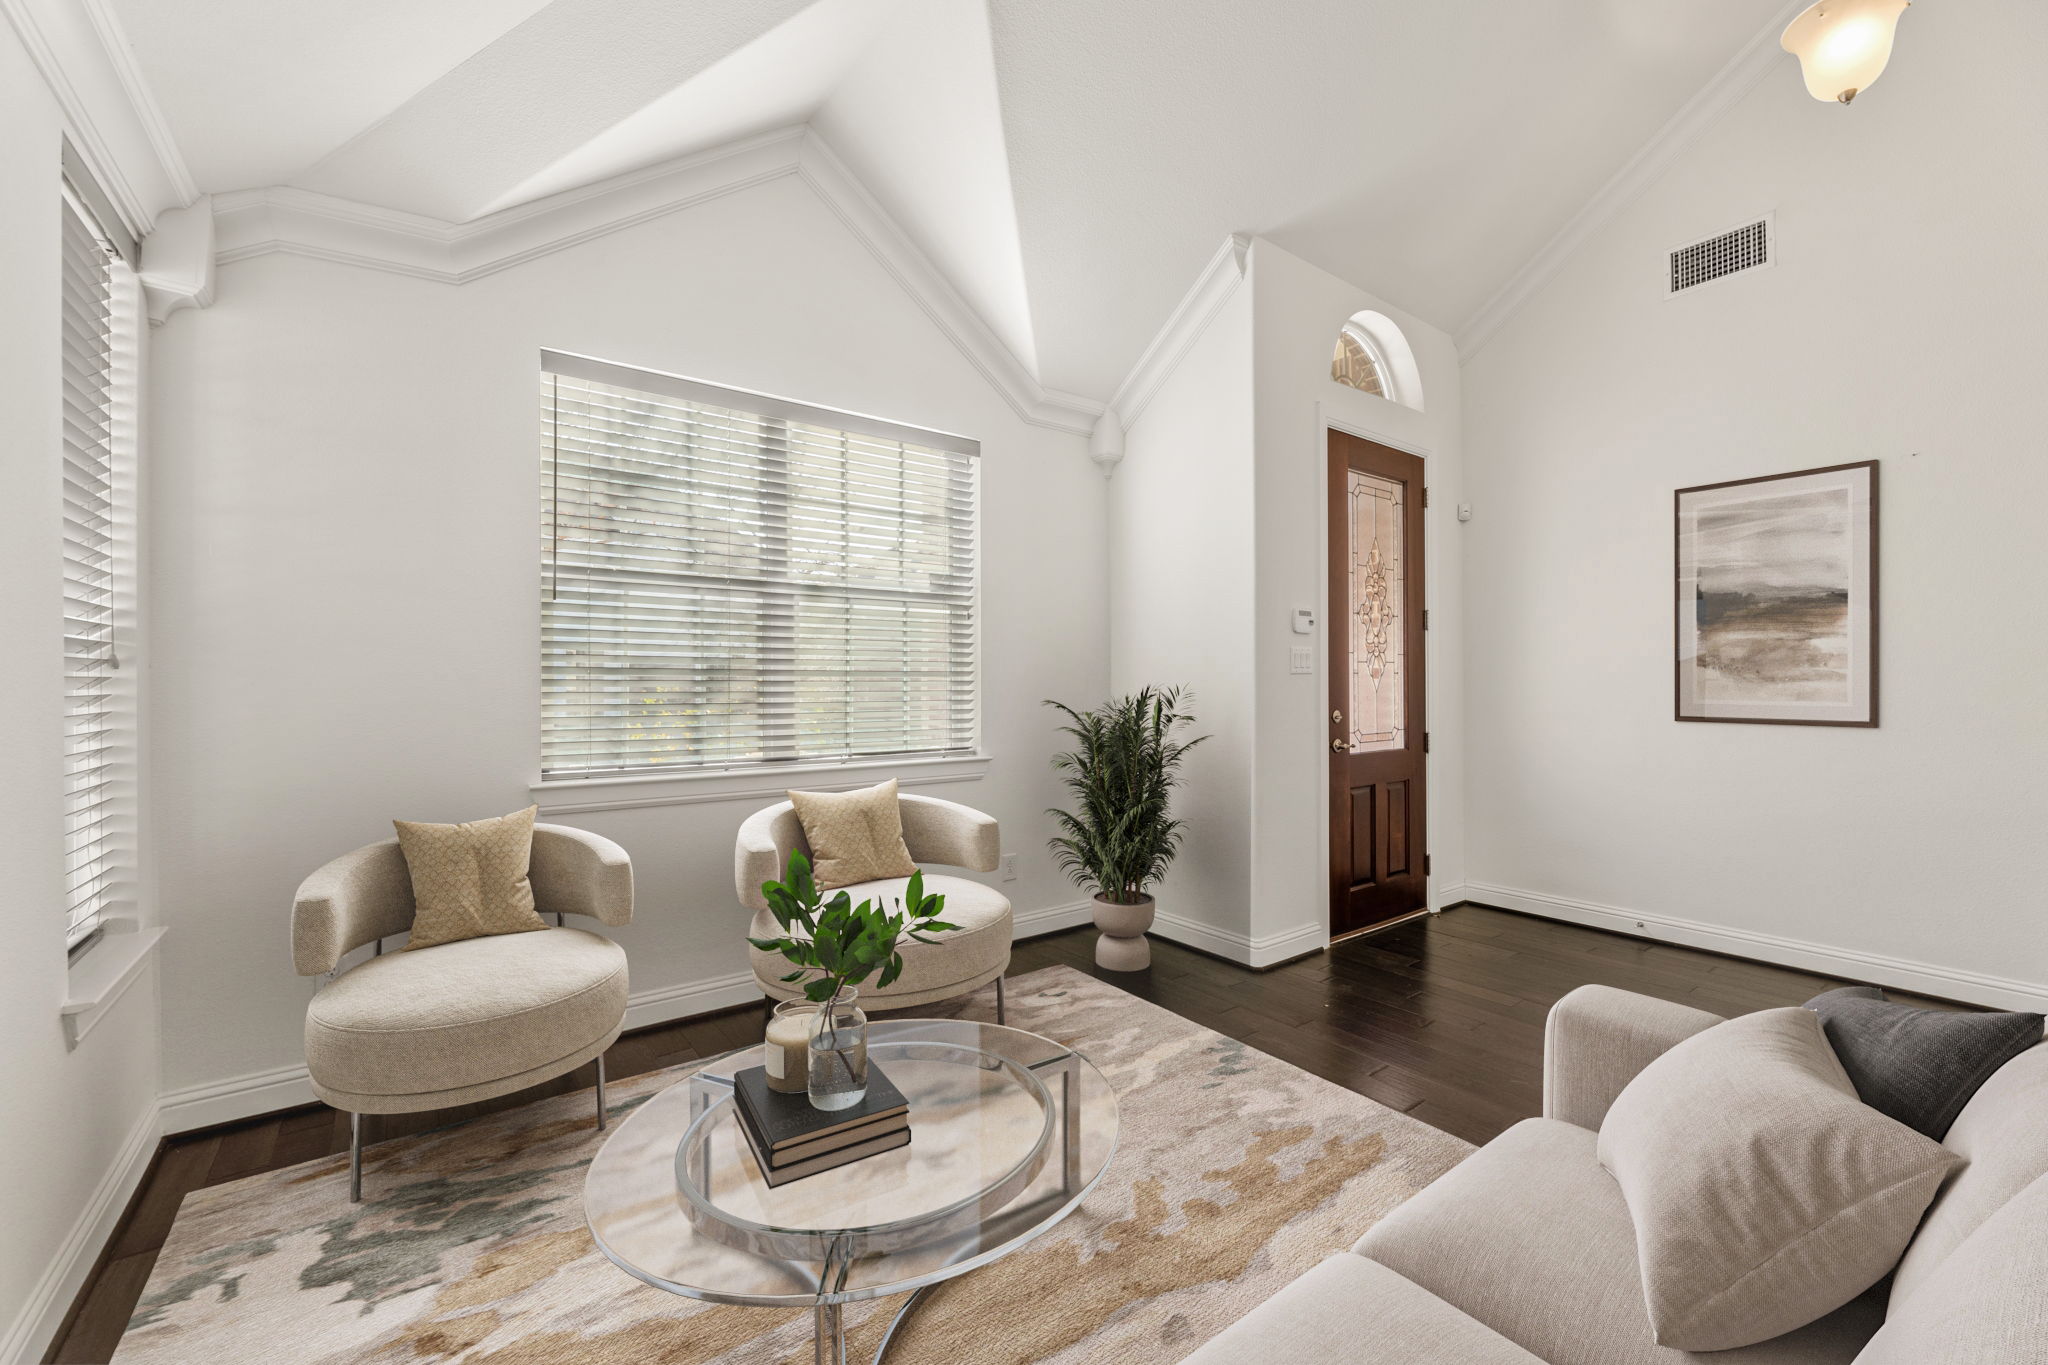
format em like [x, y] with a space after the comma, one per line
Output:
[1008, 1132]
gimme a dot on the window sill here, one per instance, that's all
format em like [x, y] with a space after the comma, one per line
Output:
[103, 974]
[748, 784]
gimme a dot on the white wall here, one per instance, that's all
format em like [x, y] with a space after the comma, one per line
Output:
[1299, 310]
[1180, 588]
[73, 1122]
[348, 476]
[1906, 321]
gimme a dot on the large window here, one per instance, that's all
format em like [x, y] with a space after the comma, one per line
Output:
[731, 580]
[98, 326]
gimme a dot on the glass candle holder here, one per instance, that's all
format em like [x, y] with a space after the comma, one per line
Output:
[788, 1046]
[839, 1053]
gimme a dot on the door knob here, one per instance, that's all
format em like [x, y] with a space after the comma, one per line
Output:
[1336, 746]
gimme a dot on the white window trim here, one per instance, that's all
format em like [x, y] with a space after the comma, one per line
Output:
[101, 975]
[633, 790]
[761, 782]
[1378, 355]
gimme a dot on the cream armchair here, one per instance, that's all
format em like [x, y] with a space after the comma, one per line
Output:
[466, 1021]
[935, 832]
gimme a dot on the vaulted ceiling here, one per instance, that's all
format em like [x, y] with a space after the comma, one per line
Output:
[1069, 165]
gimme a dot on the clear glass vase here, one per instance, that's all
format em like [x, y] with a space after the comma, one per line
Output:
[839, 1053]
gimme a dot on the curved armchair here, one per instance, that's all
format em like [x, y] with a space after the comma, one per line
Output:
[942, 833]
[462, 1021]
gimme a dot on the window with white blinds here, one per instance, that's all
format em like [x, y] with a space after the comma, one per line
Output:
[98, 739]
[732, 580]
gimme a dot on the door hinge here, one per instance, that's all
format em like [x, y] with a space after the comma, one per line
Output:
[1425, 618]
[1425, 864]
[1425, 741]
[1425, 499]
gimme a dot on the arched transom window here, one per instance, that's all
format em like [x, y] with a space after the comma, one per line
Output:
[1357, 363]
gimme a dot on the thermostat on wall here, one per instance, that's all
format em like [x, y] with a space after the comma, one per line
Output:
[1304, 621]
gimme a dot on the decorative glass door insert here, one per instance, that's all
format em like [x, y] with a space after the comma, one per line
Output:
[1379, 700]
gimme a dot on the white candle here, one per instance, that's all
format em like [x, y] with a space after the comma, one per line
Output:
[789, 1046]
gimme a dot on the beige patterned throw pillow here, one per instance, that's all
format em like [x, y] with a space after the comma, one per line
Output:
[855, 836]
[469, 880]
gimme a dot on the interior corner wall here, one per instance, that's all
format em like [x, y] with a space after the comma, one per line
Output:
[1181, 582]
[348, 584]
[1299, 309]
[1905, 320]
[75, 1124]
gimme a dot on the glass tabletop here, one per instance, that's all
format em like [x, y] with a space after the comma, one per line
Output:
[1009, 1131]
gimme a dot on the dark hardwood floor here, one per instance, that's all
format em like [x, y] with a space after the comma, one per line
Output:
[1440, 1017]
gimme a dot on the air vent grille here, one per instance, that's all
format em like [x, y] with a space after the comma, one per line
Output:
[1743, 248]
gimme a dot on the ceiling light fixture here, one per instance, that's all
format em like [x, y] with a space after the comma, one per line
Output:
[1843, 45]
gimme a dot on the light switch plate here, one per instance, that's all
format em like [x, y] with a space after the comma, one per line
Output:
[1008, 867]
[1301, 659]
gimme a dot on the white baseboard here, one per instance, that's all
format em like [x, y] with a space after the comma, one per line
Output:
[1050, 919]
[36, 1326]
[1953, 983]
[1263, 951]
[288, 1087]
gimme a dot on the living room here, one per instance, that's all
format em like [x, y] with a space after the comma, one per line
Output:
[1335, 549]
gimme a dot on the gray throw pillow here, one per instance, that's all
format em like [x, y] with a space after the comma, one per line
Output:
[1919, 1066]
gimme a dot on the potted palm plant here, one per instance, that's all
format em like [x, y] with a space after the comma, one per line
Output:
[1121, 835]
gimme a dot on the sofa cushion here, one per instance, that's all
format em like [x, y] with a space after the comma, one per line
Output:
[1918, 1065]
[1987, 1304]
[470, 879]
[1764, 1193]
[2002, 1136]
[464, 1013]
[854, 836]
[1531, 1237]
[976, 948]
[1352, 1311]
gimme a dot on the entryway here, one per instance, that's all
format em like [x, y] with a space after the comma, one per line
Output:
[1379, 856]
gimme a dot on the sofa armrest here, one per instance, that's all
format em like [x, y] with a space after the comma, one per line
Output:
[576, 872]
[949, 833]
[356, 899]
[1595, 1041]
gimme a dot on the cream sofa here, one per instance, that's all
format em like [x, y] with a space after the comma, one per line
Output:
[1526, 1253]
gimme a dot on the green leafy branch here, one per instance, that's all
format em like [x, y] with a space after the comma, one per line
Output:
[844, 943]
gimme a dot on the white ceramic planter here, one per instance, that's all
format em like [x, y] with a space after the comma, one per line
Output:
[1123, 946]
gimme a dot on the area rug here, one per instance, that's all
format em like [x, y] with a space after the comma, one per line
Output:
[1234, 1172]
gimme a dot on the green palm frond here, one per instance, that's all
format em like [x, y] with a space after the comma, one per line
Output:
[1121, 835]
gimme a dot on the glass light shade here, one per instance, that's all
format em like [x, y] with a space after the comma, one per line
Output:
[1843, 45]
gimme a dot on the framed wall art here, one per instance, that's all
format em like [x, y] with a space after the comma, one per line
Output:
[1777, 598]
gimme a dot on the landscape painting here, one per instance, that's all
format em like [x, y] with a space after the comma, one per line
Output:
[1777, 598]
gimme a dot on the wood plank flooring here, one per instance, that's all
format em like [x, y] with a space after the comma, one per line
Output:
[1440, 1017]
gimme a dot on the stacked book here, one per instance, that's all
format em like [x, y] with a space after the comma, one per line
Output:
[792, 1140]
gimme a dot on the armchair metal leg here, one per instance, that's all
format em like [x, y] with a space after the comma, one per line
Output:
[1000, 1018]
[600, 1092]
[355, 1158]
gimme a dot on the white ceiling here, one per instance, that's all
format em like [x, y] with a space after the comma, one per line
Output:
[1068, 164]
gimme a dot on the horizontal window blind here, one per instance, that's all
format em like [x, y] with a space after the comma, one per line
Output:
[93, 732]
[731, 580]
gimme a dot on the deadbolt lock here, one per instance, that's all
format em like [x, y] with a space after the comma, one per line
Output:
[1336, 718]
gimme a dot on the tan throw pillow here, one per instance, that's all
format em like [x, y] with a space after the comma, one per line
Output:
[855, 836]
[469, 880]
[1764, 1193]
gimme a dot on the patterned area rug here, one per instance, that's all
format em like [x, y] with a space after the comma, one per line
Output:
[1234, 1173]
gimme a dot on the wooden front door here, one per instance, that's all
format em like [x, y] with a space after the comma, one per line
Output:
[1378, 856]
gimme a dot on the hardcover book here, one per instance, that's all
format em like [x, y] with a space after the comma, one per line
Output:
[782, 1121]
[797, 1170]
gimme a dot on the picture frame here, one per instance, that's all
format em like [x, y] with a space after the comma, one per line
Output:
[1776, 611]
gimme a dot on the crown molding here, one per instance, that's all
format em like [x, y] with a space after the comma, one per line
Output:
[825, 173]
[292, 221]
[284, 219]
[109, 114]
[1183, 327]
[1749, 66]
